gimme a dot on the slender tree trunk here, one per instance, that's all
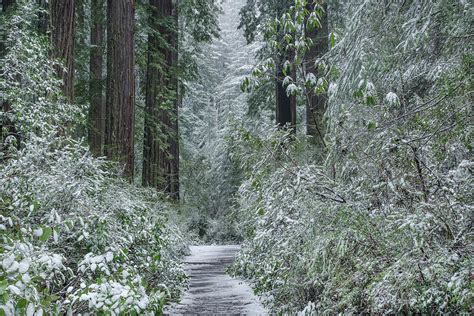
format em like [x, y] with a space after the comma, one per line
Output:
[120, 87]
[62, 40]
[316, 105]
[285, 104]
[161, 145]
[96, 100]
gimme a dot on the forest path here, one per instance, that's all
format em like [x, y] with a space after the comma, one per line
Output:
[211, 291]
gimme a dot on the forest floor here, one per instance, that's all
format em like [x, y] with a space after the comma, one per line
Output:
[211, 291]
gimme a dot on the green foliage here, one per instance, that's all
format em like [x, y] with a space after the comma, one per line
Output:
[285, 27]
[200, 19]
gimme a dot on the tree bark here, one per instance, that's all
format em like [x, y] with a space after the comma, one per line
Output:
[285, 105]
[62, 40]
[96, 100]
[161, 138]
[120, 87]
[316, 105]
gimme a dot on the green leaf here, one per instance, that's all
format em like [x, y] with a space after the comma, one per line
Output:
[245, 84]
[370, 100]
[358, 93]
[21, 303]
[36, 205]
[332, 40]
[3, 286]
[47, 232]
[371, 126]
[5, 298]
[54, 297]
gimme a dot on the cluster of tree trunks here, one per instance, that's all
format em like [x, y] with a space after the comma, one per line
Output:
[315, 103]
[111, 119]
[161, 147]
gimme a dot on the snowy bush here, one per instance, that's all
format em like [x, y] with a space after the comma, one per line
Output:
[384, 224]
[74, 236]
[312, 240]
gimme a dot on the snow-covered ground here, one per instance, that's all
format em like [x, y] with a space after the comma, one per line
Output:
[211, 291]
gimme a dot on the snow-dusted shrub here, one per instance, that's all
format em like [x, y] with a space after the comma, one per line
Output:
[77, 238]
[384, 225]
[74, 236]
[313, 240]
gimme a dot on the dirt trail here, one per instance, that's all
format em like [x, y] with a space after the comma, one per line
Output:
[211, 291]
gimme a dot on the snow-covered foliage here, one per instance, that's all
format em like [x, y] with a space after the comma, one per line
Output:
[211, 111]
[74, 236]
[384, 225]
[315, 239]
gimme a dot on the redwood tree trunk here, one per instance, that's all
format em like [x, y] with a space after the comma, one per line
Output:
[62, 40]
[120, 88]
[174, 115]
[96, 100]
[161, 145]
[316, 105]
[285, 105]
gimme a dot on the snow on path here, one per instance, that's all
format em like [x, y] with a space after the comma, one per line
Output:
[211, 291]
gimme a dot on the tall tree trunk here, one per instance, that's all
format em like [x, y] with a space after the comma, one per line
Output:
[285, 104]
[62, 40]
[161, 145]
[120, 87]
[316, 105]
[96, 100]
[174, 116]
